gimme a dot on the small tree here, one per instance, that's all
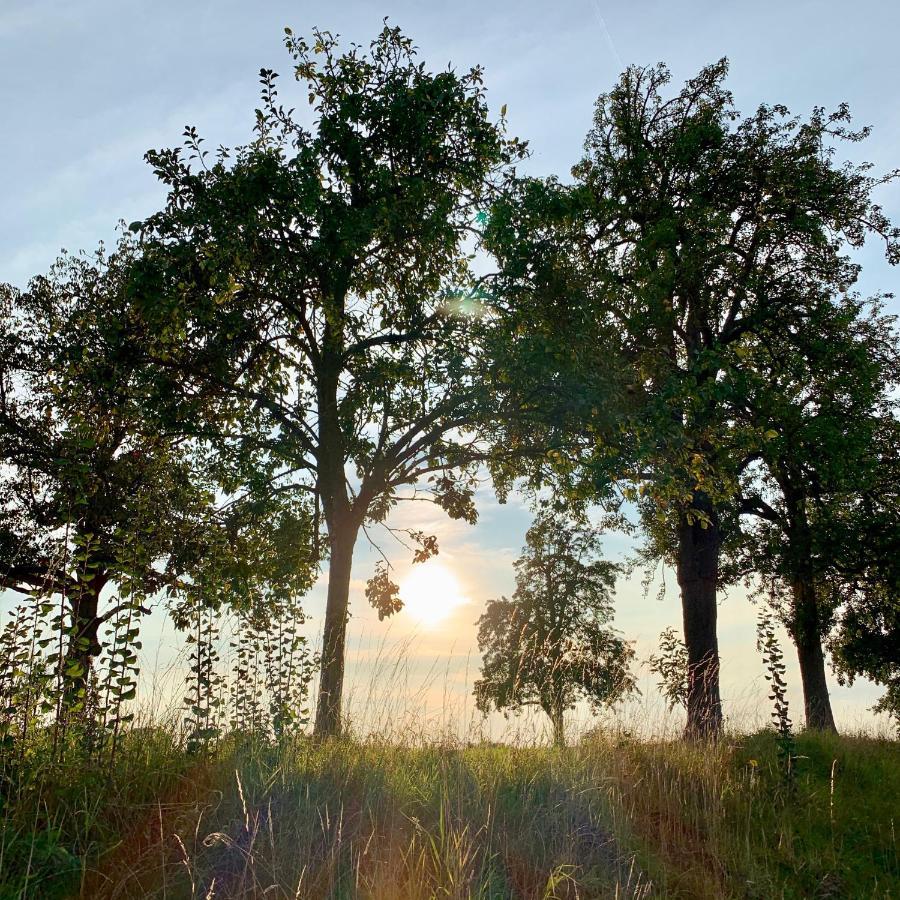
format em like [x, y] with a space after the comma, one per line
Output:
[551, 644]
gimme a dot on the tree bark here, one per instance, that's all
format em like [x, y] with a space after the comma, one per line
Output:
[806, 632]
[341, 523]
[557, 719]
[699, 544]
[331, 682]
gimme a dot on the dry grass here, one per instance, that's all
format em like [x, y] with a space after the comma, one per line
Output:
[612, 817]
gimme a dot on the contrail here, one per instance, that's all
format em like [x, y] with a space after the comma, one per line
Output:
[596, 6]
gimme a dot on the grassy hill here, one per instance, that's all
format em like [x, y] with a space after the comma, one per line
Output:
[611, 817]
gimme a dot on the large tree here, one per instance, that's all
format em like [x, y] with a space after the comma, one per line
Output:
[823, 396]
[688, 228]
[320, 273]
[551, 643]
[104, 497]
[862, 539]
[90, 495]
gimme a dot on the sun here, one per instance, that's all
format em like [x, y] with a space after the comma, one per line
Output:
[430, 593]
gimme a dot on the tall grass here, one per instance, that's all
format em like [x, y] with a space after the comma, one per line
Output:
[406, 817]
[231, 800]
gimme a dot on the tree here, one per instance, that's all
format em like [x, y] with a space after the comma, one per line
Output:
[319, 274]
[823, 398]
[551, 644]
[89, 497]
[867, 639]
[863, 582]
[97, 494]
[687, 231]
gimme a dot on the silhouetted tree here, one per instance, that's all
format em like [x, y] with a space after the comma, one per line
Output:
[316, 273]
[551, 644]
[823, 395]
[863, 583]
[97, 491]
[688, 233]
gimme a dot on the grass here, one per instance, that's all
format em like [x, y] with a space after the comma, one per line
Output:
[611, 817]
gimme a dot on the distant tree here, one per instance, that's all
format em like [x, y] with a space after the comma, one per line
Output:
[551, 644]
[319, 274]
[688, 234]
[96, 493]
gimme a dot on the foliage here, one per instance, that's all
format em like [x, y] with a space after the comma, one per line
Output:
[204, 700]
[863, 584]
[867, 640]
[93, 493]
[694, 232]
[108, 499]
[289, 667]
[31, 666]
[773, 660]
[551, 644]
[824, 397]
[79, 447]
[689, 235]
[671, 665]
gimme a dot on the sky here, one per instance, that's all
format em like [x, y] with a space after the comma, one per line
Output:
[86, 87]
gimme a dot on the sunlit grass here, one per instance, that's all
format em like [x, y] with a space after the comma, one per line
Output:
[404, 817]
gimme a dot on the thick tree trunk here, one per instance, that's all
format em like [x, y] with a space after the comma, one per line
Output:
[331, 682]
[698, 571]
[806, 632]
[343, 526]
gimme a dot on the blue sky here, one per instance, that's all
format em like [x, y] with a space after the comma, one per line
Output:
[87, 87]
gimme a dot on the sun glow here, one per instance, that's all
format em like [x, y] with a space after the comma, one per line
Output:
[430, 593]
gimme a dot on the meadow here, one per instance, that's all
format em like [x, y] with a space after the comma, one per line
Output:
[405, 817]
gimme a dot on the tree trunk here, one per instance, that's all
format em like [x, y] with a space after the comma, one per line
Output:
[807, 636]
[698, 570]
[805, 623]
[84, 640]
[557, 720]
[331, 682]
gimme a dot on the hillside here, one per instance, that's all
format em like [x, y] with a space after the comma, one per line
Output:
[612, 817]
